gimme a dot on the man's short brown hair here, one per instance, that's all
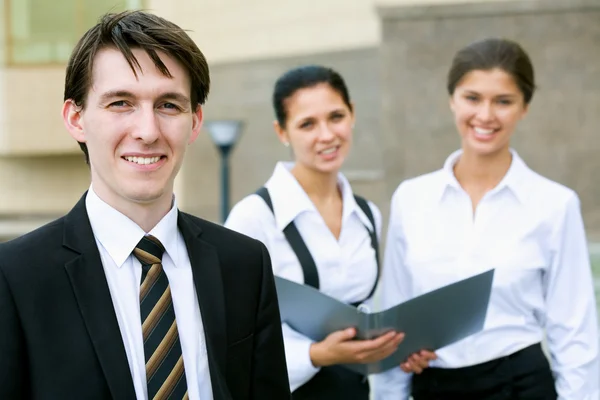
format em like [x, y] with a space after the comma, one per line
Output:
[135, 30]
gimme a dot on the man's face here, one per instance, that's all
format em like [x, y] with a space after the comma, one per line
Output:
[136, 129]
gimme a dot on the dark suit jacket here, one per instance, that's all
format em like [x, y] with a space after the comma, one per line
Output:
[59, 336]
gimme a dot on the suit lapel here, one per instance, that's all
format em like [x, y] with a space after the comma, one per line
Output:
[209, 290]
[93, 298]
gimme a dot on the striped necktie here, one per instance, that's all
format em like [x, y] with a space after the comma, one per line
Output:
[165, 374]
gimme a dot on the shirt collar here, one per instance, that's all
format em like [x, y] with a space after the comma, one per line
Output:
[350, 206]
[290, 200]
[119, 235]
[514, 179]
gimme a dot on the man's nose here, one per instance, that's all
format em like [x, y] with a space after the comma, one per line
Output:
[147, 125]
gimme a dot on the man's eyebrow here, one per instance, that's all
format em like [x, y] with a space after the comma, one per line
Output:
[175, 96]
[116, 93]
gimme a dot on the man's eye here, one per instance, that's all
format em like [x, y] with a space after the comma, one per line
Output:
[120, 103]
[170, 106]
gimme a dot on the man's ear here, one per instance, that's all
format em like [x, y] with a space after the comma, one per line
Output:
[71, 114]
[198, 119]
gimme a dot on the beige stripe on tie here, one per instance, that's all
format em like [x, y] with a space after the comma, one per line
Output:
[169, 384]
[146, 257]
[161, 351]
[151, 278]
[157, 312]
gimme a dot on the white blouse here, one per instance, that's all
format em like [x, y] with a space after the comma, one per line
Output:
[530, 230]
[347, 267]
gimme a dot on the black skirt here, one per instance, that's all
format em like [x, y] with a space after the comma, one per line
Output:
[334, 383]
[524, 375]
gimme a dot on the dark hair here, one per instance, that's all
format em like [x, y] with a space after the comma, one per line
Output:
[135, 30]
[493, 53]
[305, 77]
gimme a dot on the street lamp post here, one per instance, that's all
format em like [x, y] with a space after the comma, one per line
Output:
[224, 134]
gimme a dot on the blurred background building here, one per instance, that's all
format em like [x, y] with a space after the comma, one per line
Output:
[394, 55]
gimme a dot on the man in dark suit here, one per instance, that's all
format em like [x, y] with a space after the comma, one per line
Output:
[126, 297]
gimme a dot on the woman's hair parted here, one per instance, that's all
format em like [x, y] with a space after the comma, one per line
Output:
[490, 54]
[135, 30]
[305, 77]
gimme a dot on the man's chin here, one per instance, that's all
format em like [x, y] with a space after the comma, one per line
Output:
[147, 196]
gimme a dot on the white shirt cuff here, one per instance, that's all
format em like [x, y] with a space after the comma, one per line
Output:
[297, 353]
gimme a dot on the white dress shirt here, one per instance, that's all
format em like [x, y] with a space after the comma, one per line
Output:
[116, 236]
[530, 230]
[346, 266]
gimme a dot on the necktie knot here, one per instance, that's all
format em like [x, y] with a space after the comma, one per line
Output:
[149, 250]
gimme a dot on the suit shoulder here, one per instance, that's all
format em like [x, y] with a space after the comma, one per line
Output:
[31, 245]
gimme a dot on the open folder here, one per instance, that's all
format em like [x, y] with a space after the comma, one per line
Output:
[430, 321]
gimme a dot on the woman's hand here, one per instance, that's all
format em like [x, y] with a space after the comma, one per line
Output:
[340, 348]
[417, 362]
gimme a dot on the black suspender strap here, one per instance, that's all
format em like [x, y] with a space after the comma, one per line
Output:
[364, 206]
[263, 192]
[309, 268]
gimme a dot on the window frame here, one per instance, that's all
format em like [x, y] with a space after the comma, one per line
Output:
[9, 60]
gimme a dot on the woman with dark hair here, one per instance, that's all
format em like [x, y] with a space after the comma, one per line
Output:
[486, 209]
[340, 231]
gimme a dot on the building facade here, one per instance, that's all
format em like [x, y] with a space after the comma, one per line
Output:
[394, 55]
